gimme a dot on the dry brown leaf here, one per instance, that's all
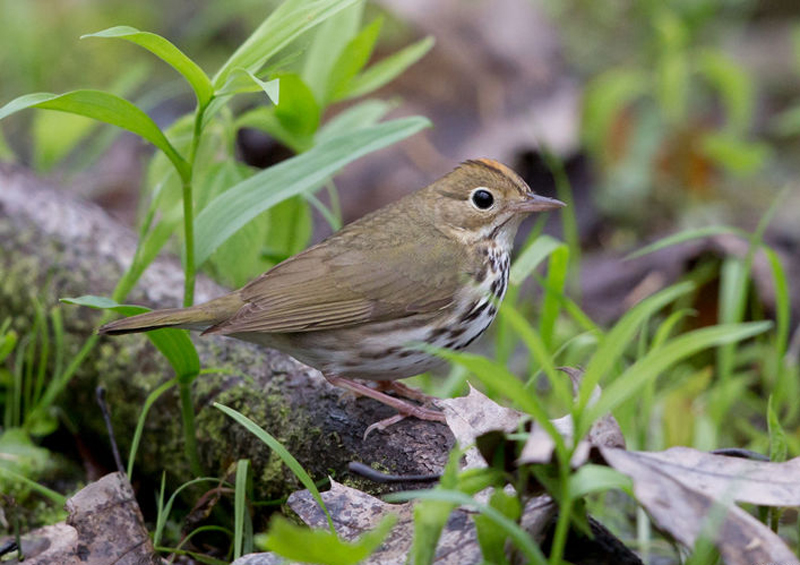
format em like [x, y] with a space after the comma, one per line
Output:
[681, 487]
[473, 415]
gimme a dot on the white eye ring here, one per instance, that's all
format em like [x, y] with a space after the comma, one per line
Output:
[482, 198]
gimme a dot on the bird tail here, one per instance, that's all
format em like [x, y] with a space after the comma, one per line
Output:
[198, 317]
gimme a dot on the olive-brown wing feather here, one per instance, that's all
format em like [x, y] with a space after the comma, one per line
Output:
[328, 288]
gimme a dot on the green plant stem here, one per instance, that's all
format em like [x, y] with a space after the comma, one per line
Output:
[564, 516]
[190, 269]
[188, 231]
[187, 414]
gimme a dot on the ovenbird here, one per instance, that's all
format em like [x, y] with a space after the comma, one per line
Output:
[430, 268]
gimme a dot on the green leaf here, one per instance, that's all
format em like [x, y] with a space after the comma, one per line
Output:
[358, 116]
[103, 107]
[6, 153]
[613, 345]
[740, 157]
[137, 434]
[672, 67]
[283, 453]
[430, 516]
[735, 88]
[242, 80]
[787, 123]
[293, 121]
[657, 361]
[289, 20]
[518, 536]
[778, 444]
[289, 229]
[240, 507]
[49, 148]
[533, 255]
[8, 341]
[174, 344]
[597, 478]
[352, 59]
[499, 380]
[605, 97]
[684, 236]
[387, 69]
[329, 40]
[298, 543]
[492, 537]
[233, 209]
[167, 52]
[298, 111]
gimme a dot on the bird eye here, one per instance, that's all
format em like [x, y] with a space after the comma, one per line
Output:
[482, 199]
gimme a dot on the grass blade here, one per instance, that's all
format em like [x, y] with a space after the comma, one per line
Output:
[283, 453]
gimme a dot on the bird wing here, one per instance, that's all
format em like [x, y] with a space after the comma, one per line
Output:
[328, 287]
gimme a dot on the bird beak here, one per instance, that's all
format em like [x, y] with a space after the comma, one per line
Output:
[536, 203]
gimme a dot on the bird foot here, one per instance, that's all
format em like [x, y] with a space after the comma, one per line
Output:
[404, 407]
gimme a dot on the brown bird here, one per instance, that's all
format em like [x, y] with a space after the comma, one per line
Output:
[430, 268]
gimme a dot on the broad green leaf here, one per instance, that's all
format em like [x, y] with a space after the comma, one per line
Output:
[230, 211]
[104, 107]
[659, 360]
[287, 458]
[293, 121]
[387, 69]
[298, 543]
[329, 40]
[298, 111]
[289, 229]
[358, 116]
[174, 344]
[352, 59]
[167, 52]
[242, 80]
[49, 149]
[289, 20]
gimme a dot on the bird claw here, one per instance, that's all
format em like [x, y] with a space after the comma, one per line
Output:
[383, 424]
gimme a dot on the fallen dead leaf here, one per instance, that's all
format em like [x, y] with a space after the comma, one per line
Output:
[682, 489]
